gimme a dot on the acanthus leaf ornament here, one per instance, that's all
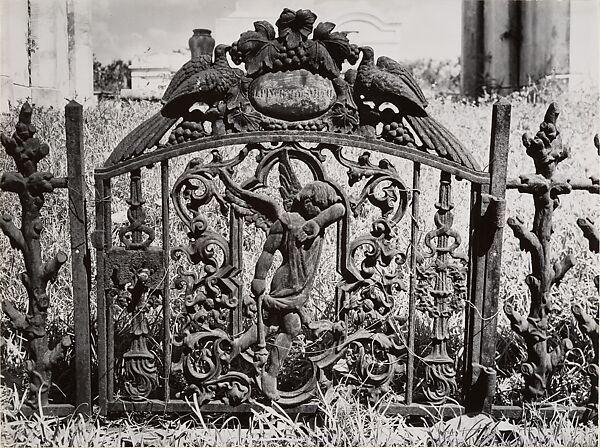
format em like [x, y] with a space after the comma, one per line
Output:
[441, 288]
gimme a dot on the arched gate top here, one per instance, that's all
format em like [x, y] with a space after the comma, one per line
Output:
[292, 89]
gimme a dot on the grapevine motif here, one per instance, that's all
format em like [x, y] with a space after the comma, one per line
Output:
[233, 337]
[547, 150]
[292, 50]
[378, 100]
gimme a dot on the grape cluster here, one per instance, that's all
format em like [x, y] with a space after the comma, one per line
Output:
[317, 125]
[236, 55]
[354, 54]
[293, 58]
[396, 133]
[289, 59]
[186, 131]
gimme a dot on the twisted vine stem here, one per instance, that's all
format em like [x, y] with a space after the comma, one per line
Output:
[31, 185]
[588, 324]
[546, 150]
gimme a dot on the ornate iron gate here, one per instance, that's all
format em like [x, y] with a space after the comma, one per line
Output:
[269, 144]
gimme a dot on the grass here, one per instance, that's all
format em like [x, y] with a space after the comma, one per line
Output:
[345, 422]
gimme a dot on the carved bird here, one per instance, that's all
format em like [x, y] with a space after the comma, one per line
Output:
[208, 86]
[389, 81]
[199, 79]
[195, 65]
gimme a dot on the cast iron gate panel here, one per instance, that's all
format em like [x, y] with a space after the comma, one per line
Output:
[292, 111]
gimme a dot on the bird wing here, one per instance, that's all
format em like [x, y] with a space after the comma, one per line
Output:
[391, 87]
[189, 69]
[436, 137]
[145, 136]
[391, 66]
[197, 87]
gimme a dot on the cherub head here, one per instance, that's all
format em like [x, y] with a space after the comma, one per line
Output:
[314, 198]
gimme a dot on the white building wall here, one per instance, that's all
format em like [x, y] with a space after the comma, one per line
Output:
[36, 58]
[14, 71]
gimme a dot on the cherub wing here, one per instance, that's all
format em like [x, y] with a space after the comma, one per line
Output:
[289, 183]
[255, 207]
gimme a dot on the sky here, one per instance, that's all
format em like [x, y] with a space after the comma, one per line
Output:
[125, 28]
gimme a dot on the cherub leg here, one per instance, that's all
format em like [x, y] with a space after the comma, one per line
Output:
[247, 339]
[291, 326]
[250, 337]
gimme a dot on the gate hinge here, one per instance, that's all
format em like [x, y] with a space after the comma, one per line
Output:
[97, 239]
[494, 210]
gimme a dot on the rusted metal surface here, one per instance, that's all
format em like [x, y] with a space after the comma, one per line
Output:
[80, 255]
[291, 111]
[588, 321]
[354, 141]
[546, 150]
[441, 291]
[166, 281]
[487, 222]
[31, 186]
[412, 298]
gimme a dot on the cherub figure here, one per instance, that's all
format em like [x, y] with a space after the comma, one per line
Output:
[297, 233]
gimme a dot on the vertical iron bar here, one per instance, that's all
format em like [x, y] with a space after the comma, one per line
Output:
[486, 247]
[110, 331]
[100, 244]
[166, 245]
[440, 373]
[80, 256]
[414, 241]
[135, 203]
[235, 243]
[475, 289]
[499, 149]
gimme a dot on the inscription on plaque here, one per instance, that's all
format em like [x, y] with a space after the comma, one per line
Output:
[292, 96]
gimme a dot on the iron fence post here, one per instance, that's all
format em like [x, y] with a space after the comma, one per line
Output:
[80, 255]
[487, 221]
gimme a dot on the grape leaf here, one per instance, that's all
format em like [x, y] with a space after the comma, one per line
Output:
[320, 59]
[265, 28]
[294, 27]
[336, 43]
[259, 51]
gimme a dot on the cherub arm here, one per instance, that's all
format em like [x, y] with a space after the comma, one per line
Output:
[273, 242]
[327, 217]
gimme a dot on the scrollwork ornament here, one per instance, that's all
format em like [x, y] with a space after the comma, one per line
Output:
[140, 371]
[131, 234]
[441, 288]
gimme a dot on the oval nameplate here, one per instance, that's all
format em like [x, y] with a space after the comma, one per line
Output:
[292, 96]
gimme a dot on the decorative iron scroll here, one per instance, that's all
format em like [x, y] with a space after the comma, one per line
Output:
[135, 279]
[292, 81]
[31, 185]
[360, 344]
[441, 290]
[547, 150]
[131, 234]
